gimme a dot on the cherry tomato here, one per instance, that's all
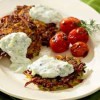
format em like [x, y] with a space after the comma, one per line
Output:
[79, 49]
[68, 24]
[78, 34]
[59, 42]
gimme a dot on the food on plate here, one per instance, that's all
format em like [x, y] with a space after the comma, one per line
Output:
[74, 31]
[59, 42]
[51, 74]
[45, 14]
[79, 49]
[78, 34]
[40, 23]
[20, 21]
[15, 45]
[68, 24]
[27, 29]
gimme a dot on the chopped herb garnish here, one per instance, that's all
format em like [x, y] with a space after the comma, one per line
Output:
[91, 27]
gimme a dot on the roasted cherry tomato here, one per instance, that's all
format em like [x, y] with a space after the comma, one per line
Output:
[68, 24]
[78, 34]
[59, 42]
[79, 49]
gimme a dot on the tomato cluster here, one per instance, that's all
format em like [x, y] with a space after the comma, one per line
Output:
[71, 33]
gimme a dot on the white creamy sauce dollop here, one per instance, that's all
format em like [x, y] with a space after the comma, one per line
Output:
[15, 45]
[50, 67]
[45, 14]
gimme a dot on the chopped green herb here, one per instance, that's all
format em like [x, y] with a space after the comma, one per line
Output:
[91, 27]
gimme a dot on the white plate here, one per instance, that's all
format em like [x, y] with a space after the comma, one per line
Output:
[13, 84]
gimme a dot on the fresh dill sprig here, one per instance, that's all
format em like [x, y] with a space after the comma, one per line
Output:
[91, 27]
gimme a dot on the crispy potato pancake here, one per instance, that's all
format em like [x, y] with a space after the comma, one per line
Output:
[20, 21]
[59, 83]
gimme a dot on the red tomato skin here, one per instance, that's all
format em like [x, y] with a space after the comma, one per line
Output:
[68, 24]
[59, 42]
[79, 49]
[78, 34]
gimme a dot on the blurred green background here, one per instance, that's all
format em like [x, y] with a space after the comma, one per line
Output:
[93, 3]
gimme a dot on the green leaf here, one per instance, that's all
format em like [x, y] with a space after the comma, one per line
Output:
[93, 3]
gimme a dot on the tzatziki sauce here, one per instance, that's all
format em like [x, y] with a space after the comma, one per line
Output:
[15, 45]
[50, 67]
[45, 14]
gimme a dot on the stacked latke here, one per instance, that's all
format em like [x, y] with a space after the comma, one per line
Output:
[20, 21]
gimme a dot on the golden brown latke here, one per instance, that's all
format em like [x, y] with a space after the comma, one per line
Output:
[58, 83]
[20, 21]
